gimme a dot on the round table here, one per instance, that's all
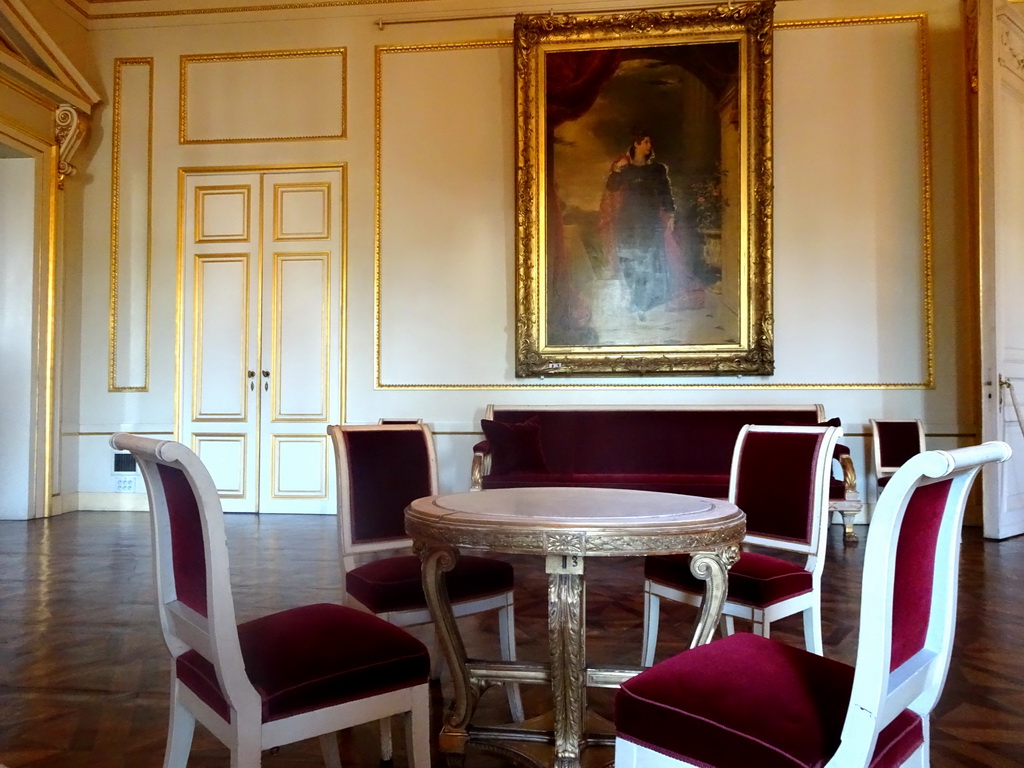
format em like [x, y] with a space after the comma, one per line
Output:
[566, 526]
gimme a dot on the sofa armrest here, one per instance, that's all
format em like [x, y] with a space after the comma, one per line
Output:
[842, 455]
[481, 465]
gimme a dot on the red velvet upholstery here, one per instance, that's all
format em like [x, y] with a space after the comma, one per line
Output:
[314, 656]
[756, 579]
[396, 583]
[912, 591]
[186, 539]
[775, 484]
[388, 470]
[683, 451]
[898, 441]
[746, 701]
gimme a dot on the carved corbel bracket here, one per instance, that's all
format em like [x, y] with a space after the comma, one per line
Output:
[70, 130]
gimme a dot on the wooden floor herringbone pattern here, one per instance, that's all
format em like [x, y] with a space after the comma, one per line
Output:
[84, 673]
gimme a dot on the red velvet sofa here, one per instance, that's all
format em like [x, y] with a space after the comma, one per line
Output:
[669, 448]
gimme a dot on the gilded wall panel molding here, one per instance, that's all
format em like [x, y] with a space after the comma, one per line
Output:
[300, 356]
[294, 205]
[222, 214]
[225, 453]
[382, 132]
[265, 105]
[299, 466]
[130, 224]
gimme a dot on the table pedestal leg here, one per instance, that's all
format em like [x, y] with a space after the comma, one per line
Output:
[712, 568]
[566, 607]
[454, 729]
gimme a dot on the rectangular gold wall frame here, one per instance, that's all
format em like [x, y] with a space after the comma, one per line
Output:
[131, 225]
[264, 104]
[601, 103]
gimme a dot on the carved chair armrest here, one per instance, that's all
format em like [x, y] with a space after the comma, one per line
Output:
[481, 465]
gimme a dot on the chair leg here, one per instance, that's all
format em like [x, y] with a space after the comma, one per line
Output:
[247, 750]
[180, 729]
[417, 733]
[652, 617]
[507, 639]
[387, 749]
[812, 629]
[329, 748]
[727, 624]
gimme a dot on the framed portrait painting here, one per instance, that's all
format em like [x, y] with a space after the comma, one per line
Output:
[644, 193]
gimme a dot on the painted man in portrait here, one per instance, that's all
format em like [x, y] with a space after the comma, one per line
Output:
[637, 220]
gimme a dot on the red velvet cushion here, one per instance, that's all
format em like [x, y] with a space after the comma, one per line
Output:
[314, 656]
[756, 579]
[396, 584]
[746, 701]
[514, 447]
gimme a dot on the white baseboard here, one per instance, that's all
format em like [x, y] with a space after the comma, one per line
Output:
[103, 502]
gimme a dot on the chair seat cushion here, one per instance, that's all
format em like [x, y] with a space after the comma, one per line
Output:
[396, 583]
[744, 701]
[756, 579]
[314, 656]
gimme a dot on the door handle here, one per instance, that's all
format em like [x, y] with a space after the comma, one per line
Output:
[266, 382]
[252, 384]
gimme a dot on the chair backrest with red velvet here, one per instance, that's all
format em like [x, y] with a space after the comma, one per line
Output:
[893, 443]
[909, 590]
[780, 479]
[381, 468]
[196, 608]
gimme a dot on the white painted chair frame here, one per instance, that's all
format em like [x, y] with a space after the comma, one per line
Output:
[216, 638]
[878, 694]
[352, 553]
[809, 603]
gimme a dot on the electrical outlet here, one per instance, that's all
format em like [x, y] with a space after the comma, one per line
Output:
[126, 485]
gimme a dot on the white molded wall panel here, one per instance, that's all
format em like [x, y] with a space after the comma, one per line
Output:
[17, 266]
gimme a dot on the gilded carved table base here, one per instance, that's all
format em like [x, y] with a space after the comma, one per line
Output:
[570, 729]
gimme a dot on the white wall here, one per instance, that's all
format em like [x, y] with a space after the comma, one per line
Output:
[17, 265]
[856, 327]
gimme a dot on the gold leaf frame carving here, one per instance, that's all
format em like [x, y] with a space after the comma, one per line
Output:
[559, 328]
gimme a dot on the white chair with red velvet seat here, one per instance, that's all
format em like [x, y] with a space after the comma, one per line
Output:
[302, 672]
[381, 469]
[747, 700]
[780, 479]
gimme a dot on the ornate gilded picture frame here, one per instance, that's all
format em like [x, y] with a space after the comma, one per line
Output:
[644, 193]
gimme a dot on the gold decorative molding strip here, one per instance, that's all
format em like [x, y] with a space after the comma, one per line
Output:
[131, 226]
[265, 109]
[188, 8]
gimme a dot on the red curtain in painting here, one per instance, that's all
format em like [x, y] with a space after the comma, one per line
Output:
[574, 80]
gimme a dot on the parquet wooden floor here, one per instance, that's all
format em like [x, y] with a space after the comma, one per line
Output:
[84, 673]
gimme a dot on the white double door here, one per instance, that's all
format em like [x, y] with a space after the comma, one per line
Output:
[261, 334]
